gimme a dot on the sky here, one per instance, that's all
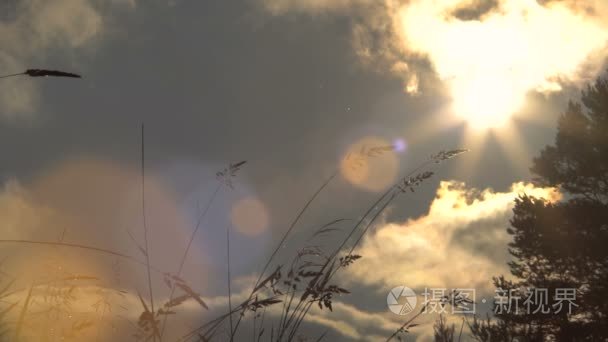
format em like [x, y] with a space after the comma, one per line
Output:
[296, 88]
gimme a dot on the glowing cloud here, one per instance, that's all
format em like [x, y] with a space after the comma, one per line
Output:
[92, 202]
[492, 62]
[489, 53]
[464, 230]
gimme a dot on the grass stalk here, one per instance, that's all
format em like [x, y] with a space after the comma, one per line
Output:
[23, 313]
[81, 246]
[143, 213]
[182, 261]
[229, 282]
[285, 235]
[408, 322]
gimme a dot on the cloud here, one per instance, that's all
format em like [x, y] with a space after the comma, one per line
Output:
[460, 243]
[346, 320]
[18, 214]
[95, 203]
[474, 10]
[279, 7]
[488, 53]
[111, 313]
[355, 323]
[90, 202]
[37, 29]
[111, 310]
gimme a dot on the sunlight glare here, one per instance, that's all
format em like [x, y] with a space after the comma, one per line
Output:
[485, 102]
[491, 63]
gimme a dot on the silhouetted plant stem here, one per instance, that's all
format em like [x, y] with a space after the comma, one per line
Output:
[393, 189]
[182, 262]
[291, 227]
[213, 324]
[143, 213]
[44, 73]
[293, 224]
[317, 290]
[287, 304]
[23, 313]
[322, 336]
[12, 75]
[408, 322]
[228, 273]
[197, 227]
[79, 246]
[461, 327]
[303, 305]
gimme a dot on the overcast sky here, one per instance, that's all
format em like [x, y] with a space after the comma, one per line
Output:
[291, 86]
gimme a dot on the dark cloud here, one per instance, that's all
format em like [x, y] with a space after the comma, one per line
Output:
[475, 9]
[485, 239]
[218, 82]
[585, 7]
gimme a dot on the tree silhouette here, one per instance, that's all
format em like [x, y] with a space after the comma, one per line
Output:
[564, 245]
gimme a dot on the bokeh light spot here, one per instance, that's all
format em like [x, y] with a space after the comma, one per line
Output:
[249, 216]
[399, 145]
[368, 169]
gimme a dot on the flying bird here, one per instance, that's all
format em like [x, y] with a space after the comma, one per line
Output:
[44, 73]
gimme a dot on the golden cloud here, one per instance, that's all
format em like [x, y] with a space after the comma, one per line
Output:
[460, 243]
[95, 203]
[489, 54]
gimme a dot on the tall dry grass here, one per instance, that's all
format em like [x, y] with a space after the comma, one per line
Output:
[290, 286]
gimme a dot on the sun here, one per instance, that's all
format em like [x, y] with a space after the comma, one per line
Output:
[493, 62]
[486, 101]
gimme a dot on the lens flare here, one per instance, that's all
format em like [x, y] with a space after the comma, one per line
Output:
[399, 145]
[368, 170]
[249, 216]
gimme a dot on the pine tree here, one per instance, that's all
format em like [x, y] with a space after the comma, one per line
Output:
[562, 245]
